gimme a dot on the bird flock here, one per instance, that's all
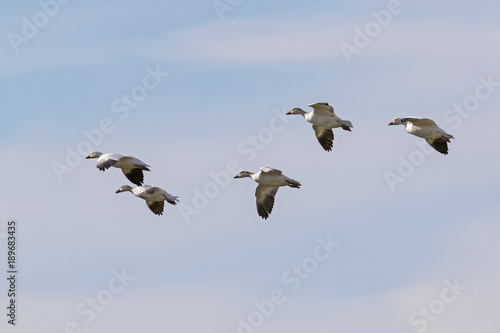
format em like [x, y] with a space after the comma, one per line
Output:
[323, 120]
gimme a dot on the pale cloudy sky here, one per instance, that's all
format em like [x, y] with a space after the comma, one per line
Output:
[217, 105]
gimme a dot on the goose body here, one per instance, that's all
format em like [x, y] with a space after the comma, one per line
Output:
[131, 167]
[323, 119]
[154, 196]
[427, 129]
[269, 180]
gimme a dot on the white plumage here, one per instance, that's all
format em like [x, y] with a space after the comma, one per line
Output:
[153, 195]
[131, 167]
[323, 119]
[269, 180]
[426, 128]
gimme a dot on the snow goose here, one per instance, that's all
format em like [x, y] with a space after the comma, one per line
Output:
[427, 129]
[323, 119]
[131, 166]
[153, 195]
[269, 182]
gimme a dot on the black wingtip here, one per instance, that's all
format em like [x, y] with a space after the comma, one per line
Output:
[440, 145]
[326, 140]
[263, 213]
[135, 176]
[265, 208]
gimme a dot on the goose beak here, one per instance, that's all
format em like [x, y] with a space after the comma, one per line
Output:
[289, 112]
[391, 123]
[87, 157]
[118, 191]
[236, 177]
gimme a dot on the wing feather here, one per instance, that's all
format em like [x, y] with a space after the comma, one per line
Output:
[135, 175]
[422, 121]
[322, 109]
[324, 136]
[271, 170]
[439, 144]
[105, 163]
[156, 206]
[146, 191]
[265, 200]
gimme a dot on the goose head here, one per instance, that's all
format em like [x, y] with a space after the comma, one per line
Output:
[243, 174]
[94, 154]
[296, 111]
[396, 121]
[124, 188]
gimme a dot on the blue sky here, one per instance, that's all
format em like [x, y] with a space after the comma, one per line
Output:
[229, 81]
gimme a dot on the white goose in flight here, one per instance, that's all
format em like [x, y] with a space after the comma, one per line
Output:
[427, 129]
[323, 119]
[153, 195]
[269, 182]
[132, 167]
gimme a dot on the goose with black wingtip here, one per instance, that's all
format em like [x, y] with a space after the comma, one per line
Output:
[269, 180]
[426, 128]
[131, 166]
[155, 197]
[323, 119]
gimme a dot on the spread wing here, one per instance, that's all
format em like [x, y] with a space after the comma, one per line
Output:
[135, 175]
[322, 109]
[105, 163]
[146, 191]
[156, 206]
[324, 136]
[271, 170]
[422, 121]
[439, 144]
[265, 200]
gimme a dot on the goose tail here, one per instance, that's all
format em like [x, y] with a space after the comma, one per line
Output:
[346, 125]
[293, 183]
[447, 137]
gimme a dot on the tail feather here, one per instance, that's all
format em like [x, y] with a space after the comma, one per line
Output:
[293, 183]
[172, 200]
[346, 125]
[447, 137]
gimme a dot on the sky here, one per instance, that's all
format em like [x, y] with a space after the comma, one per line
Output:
[384, 236]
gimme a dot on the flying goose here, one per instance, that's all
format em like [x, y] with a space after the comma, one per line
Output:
[131, 166]
[427, 129]
[269, 182]
[323, 119]
[153, 195]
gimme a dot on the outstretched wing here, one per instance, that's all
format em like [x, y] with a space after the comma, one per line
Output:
[322, 109]
[105, 163]
[145, 191]
[271, 170]
[265, 200]
[422, 121]
[156, 206]
[135, 175]
[324, 136]
[439, 144]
